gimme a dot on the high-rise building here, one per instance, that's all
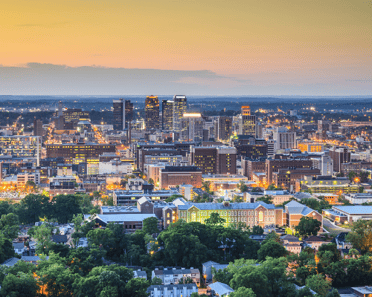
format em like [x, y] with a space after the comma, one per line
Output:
[167, 115]
[123, 113]
[214, 160]
[72, 116]
[179, 108]
[21, 146]
[192, 127]
[326, 164]
[223, 128]
[248, 122]
[152, 112]
[38, 128]
[284, 139]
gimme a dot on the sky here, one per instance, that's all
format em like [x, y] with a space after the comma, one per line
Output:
[194, 47]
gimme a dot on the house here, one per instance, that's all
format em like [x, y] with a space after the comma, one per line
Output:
[11, 262]
[291, 243]
[19, 247]
[314, 242]
[207, 269]
[32, 259]
[294, 211]
[173, 275]
[258, 237]
[59, 238]
[172, 290]
[140, 274]
[220, 289]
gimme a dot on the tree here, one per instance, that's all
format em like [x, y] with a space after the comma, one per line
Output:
[364, 176]
[65, 207]
[187, 280]
[215, 219]
[150, 225]
[43, 235]
[333, 293]
[20, 285]
[267, 199]
[318, 284]
[156, 281]
[9, 225]
[257, 230]
[173, 197]
[6, 248]
[305, 292]
[308, 226]
[137, 287]
[33, 207]
[243, 292]
[151, 181]
[77, 220]
[351, 175]
[242, 187]
[271, 248]
[361, 235]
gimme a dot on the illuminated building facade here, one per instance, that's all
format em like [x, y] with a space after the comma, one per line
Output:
[152, 112]
[74, 115]
[179, 108]
[192, 127]
[249, 147]
[167, 115]
[223, 128]
[310, 147]
[172, 176]
[21, 146]
[284, 139]
[76, 153]
[248, 122]
[250, 214]
[214, 160]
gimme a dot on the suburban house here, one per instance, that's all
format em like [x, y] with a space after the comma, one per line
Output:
[140, 274]
[207, 269]
[291, 243]
[19, 247]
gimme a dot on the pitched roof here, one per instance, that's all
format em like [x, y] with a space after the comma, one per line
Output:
[11, 262]
[313, 238]
[220, 288]
[294, 207]
[290, 238]
[220, 206]
[18, 245]
[59, 238]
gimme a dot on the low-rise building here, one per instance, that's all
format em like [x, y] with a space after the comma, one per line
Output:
[172, 176]
[171, 276]
[350, 213]
[172, 290]
[314, 242]
[359, 198]
[294, 211]
[291, 243]
[220, 289]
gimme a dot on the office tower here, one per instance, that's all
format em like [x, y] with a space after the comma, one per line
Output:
[72, 116]
[123, 113]
[152, 112]
[284, 139]
[247, 122]
[223, 128]
[59, 121]
[339, 156]
[179, 108]
[248, 146]
[214, 160]
[167, 115]
[192, 126]
[259, 131]
[60, 109]
[326, 164]
[38, 128]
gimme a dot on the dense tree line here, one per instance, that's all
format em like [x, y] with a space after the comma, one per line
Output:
[61, 208]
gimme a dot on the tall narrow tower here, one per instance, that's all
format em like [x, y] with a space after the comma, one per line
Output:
[152, 112]
[179, 108]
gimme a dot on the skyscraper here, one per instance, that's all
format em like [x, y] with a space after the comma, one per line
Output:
[152, 112]
[38, 128]
[179, 108]
[223, 128]
[192, 127]
[123, 113]
[248, 122]
[167, 115]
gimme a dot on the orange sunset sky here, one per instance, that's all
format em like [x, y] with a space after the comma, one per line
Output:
[252, 47]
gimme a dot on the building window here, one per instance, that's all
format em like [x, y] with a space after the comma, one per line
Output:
[260, 216]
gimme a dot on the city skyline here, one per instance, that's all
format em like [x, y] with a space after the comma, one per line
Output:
[219, 48]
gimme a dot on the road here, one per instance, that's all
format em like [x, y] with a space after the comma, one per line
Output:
[332, 228]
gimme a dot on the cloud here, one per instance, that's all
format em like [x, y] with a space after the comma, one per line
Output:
[51, 79]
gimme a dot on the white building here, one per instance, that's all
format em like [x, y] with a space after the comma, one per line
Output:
[358, 198]
[284, 139]
[192, 127]
[326, 164]
[172, 290]
[23, 178]
[115, 166]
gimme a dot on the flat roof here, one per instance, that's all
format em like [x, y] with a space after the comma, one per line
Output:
[355, 209]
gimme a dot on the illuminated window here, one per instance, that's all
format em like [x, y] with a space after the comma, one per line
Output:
[260, 216]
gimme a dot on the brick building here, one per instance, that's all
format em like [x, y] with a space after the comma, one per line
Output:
[172, 176]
